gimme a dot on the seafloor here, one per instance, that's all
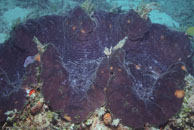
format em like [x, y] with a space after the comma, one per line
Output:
[38, 115]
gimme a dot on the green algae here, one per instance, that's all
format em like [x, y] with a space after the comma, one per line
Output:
[190, 31]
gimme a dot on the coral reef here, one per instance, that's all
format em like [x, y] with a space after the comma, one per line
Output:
[139, 80]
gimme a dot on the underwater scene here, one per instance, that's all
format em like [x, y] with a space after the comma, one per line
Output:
[96, 64]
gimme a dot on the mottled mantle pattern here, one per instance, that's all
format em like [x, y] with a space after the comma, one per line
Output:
[136, 83]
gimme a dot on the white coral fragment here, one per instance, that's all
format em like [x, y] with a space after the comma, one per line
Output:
[107, 51]
[8, 113]
[120, 44]
[191, 102]
[98, 125]
[116, 122]
[189, 80]
[40, 46]
[101, 111]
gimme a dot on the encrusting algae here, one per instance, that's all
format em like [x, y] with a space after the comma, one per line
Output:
[190, 31]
